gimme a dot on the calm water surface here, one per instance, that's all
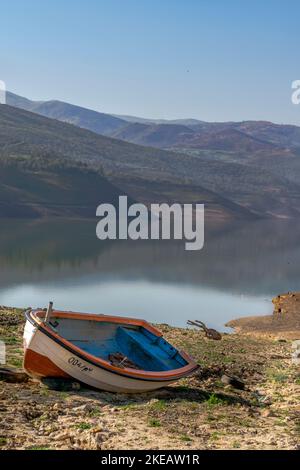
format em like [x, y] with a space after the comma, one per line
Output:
[236, 274]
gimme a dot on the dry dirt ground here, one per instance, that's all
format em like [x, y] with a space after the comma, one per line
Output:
[197, 413]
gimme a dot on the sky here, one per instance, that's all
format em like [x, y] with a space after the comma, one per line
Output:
[212, 60]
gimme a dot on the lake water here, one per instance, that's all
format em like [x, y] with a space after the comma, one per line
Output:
[236, 274]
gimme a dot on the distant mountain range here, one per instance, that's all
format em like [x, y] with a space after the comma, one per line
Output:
[240, 170]
[162, 133]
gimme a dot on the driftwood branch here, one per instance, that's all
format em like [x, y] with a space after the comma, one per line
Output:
[210, 333]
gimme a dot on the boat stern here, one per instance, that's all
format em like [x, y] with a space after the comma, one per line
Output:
[35, 363]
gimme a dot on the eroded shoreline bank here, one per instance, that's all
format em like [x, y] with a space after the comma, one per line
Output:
[284, 323]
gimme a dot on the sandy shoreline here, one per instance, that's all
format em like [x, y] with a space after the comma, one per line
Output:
[199, 412]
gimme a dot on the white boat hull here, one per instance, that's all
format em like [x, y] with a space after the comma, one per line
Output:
[46, 350]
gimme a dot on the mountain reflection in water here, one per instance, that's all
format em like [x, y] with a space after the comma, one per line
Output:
[240, 268]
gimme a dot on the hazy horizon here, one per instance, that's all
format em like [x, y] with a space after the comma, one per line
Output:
[212, 61]
[150, 118]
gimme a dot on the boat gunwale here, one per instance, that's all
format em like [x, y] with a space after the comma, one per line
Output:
[34, 316]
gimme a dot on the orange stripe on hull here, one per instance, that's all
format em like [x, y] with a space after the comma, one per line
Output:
[40, 366]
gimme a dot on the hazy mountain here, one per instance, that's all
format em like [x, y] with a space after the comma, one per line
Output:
[184, 122]
[154, 135]
[278, 134]
[20, 102]
[227, 140]
[29, 135]
[162, 133]
[42, 172]
[81, 117]
[53, 168]
[170, 136]
[31, 145]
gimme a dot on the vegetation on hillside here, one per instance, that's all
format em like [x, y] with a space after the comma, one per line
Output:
[238, 187]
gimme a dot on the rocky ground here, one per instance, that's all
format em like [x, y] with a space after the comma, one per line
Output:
[199, 412]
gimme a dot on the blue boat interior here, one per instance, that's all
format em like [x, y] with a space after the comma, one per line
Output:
[144, 349]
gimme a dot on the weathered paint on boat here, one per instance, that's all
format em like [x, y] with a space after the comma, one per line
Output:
[80, 350]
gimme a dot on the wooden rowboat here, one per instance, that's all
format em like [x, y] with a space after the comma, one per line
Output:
[110, 353]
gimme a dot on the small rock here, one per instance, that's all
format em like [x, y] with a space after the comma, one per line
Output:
[59, 384]
[265, 400]
[267, 413]
[31, 414]
[84, 409]
[96, 441]
[233, 381]
[296, 357]
[96, 430]
[114, 410]
[62, 436]
[13, 375]
[296, 344]
[153, 401]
